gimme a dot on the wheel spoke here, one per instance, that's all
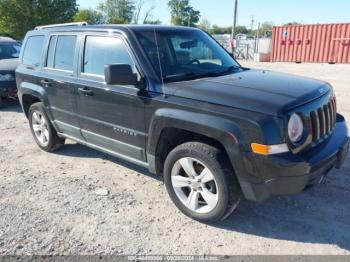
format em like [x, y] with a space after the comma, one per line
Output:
[206, 175]
[210, 198]
[42, 138]
[187, 165]
[36, 118]
[43, 121]
[46, 134]
[192, 200]
[180, 181]
[36, 128]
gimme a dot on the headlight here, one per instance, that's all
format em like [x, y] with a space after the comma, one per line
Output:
[7, 77]
[295, 128]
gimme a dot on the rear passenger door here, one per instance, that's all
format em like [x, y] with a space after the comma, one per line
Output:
[58, 77]
[111, 116]
[28, 71]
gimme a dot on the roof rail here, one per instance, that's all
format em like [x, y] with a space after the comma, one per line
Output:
[62, 25]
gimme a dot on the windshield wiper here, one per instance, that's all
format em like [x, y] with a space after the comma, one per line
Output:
[180, 76]
[224, 72]
[192, 75]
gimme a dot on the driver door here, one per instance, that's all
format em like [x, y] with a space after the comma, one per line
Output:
[111, 116]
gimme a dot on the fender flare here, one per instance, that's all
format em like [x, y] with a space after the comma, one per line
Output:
[36, 91]
[220, 129]
[225, 131]
[32, 90]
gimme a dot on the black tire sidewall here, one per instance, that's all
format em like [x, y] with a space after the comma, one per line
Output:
[40, 107]
[221, 182]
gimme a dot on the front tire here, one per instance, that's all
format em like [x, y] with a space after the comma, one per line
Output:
[43, 132]
[200, 182]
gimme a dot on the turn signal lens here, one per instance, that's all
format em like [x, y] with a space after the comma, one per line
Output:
[269, 149]
[260, 149]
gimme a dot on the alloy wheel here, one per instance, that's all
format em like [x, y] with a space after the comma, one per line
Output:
[40, 128]
[194, 184]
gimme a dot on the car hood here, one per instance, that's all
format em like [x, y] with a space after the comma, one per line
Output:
[8, 64]
[267, 92]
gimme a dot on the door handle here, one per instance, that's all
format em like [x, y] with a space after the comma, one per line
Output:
[59, 82]
[85, 91]
[45, 83]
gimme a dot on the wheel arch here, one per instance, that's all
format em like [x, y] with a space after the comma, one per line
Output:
[223, 132]
[29, 94]
[173, 127]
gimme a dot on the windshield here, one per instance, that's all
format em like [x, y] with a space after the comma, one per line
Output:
[185, 54]
[9, 50]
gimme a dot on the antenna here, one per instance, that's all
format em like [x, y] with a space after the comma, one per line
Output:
[160, 63]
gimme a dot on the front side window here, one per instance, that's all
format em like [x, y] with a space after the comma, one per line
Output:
[182, 54]
[100, 51]
[33, 51]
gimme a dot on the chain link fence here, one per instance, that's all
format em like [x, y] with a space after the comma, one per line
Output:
[246, 48]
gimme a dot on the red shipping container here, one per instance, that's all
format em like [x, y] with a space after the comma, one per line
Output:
[322, 43]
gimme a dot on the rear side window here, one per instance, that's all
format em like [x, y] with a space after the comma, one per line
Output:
[32, 51]
[100, 51]
[60, 54]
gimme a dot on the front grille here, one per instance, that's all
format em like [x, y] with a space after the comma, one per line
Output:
[323, 120]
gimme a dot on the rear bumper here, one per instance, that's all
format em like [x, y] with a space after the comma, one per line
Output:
[8, 88]
[287, 174]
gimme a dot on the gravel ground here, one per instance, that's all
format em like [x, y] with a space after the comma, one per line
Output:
[80, 201]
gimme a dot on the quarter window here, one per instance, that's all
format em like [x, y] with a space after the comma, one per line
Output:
[32, 52]
[100, 51]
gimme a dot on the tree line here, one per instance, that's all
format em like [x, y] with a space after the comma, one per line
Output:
[19, 16]
[265, 30]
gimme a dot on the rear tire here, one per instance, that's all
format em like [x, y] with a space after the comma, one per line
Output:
[43, 132]
[201, 183]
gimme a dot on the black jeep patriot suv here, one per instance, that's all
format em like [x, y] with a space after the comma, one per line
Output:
[171, 99]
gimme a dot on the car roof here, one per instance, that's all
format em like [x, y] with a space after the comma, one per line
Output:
[4, 39]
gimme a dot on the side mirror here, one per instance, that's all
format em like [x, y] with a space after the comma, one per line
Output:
[120, 74]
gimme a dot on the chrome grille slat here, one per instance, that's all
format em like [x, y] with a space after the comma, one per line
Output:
[328, 119]
[330, 107]
[322, 118]
[334, 111]
[315, 125]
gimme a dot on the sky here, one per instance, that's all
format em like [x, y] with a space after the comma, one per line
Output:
[219, 12]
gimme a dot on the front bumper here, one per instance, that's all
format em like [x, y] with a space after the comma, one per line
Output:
[287, 173]
[8, 88]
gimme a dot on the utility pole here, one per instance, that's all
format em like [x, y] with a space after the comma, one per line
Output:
[252, 24]
[235, 5]
[257, 39]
